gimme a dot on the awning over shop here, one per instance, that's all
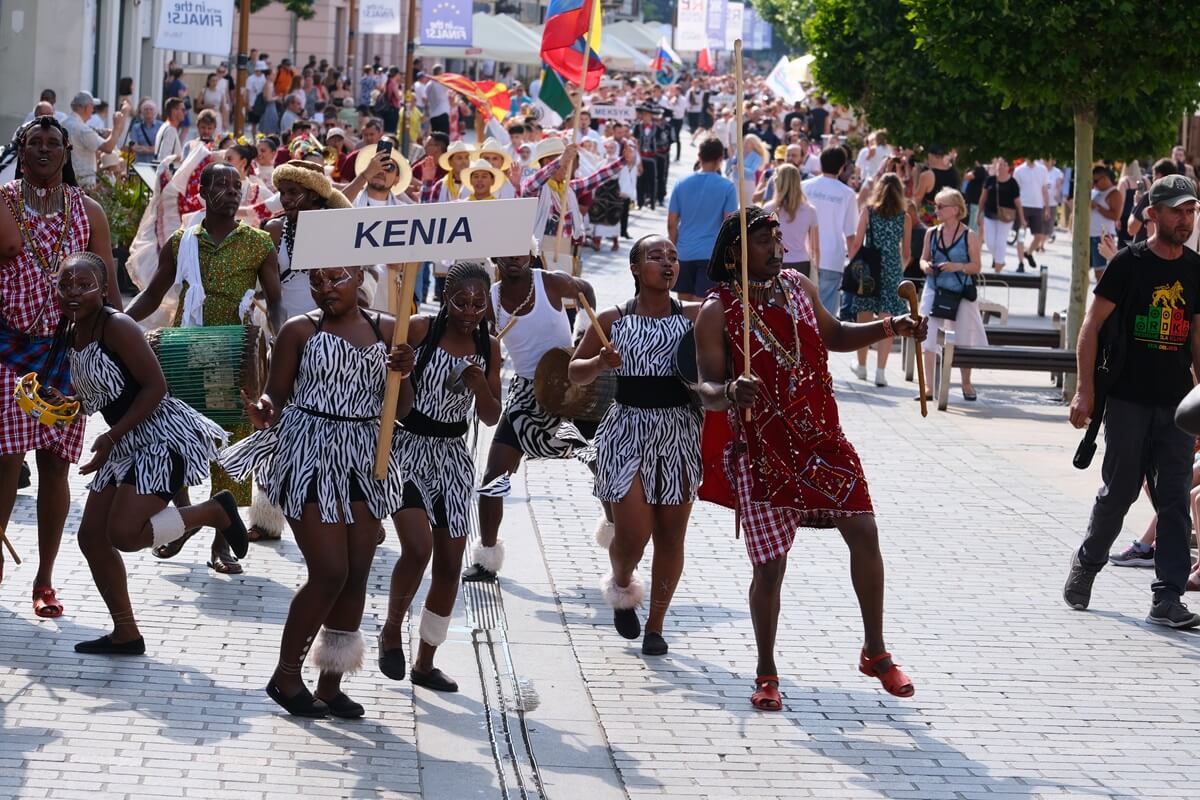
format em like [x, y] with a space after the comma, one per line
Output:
[639, 36]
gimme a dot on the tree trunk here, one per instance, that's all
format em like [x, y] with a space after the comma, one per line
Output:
[1081, 271]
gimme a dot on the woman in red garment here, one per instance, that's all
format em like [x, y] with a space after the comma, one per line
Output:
[790, 465]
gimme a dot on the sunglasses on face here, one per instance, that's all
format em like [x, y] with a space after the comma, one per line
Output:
[318, 280]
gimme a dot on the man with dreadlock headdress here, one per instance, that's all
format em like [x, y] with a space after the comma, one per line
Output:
[789, 465]
[55, 218]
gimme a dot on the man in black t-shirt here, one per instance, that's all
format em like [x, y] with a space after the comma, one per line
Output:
[1151, 292]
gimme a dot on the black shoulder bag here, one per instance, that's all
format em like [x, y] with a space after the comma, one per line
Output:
[862, 275]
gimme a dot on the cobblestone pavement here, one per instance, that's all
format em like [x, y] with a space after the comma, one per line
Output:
[1017, 696]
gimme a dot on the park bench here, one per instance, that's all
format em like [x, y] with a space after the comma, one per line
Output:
[1021, 280]
[1056, 361]
[1005, 336]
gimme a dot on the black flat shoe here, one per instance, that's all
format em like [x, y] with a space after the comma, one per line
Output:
[171, 549]
[654, 644]
[972, 397]
[343, 707]
[391, 662]
[626, 621]
[105, 646]
[301, 704]
[236, 534]
[434, 679]
[479, 573]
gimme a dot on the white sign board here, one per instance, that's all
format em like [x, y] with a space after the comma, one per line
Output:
[355, 237]
[196, 26]
[733, 24]
[379, 16]
[691, 34]
[614, 113]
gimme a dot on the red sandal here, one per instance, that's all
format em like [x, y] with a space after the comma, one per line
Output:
[893, 678]
[766, 695]
[45, 603]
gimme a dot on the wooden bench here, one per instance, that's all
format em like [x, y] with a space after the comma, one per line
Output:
[1025, 359]
[1021, 280]
[1002, 336]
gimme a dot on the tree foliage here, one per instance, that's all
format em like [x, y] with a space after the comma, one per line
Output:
[786, 18]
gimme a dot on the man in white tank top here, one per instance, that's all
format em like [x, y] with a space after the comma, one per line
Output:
[534, 298]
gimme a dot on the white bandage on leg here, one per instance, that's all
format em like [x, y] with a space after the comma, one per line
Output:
[166, 526]
[264, 515]
[490, 558]
[621, 598]
[340, 652]
[433, 628]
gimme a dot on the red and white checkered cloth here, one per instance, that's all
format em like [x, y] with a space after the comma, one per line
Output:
[28, 303]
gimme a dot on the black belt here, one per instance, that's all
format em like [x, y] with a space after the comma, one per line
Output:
[423, 425]
[651, 391]
[335, 417]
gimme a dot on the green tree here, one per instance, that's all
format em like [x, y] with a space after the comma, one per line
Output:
[786, 18]
[1063, 58]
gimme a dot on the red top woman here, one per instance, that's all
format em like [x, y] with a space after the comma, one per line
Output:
[54, 218]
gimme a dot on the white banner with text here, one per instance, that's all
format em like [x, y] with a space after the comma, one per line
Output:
[196, 26]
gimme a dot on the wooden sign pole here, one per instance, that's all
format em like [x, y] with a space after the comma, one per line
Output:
[400, 297]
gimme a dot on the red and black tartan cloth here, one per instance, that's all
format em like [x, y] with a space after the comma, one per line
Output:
[790, 466]
[29, 306]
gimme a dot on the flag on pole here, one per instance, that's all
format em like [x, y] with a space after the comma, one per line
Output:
[666, 64]
[563, 45]
[488, 97]
[704, 61]
[553, 100]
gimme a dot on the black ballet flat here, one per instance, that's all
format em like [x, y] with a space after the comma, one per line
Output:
[301, 704]
[654, 644]
[478, 572]
[434, 679]
[236, 534]
[391, 662]
[343, 707]
[626, 621]
[105, 646]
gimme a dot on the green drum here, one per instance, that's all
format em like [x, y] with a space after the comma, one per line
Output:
[209, 368]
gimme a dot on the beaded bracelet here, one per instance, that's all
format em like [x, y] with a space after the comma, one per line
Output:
[888, 329]
[729, 394]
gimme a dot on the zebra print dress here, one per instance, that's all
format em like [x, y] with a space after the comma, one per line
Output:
[663, 444]
[440, 466]
[324, 440]
[174, 432]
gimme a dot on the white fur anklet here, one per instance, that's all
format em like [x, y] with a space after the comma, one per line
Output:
[340, 652]
[265, 515]
[605, 531]
[490, 558]
[622, 597]
[433, 628]
[166, 526]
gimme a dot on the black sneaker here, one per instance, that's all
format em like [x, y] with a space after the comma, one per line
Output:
[478, 572]
[1171, 612]
[1078, 591]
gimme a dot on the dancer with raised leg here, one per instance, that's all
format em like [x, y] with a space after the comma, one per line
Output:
[648, 444]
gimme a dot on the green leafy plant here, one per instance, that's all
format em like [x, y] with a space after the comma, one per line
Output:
[123, 201]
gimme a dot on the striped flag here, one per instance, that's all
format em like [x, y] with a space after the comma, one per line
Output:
[563, 45]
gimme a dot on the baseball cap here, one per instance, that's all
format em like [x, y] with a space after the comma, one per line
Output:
[261, 66]
[1172, 190]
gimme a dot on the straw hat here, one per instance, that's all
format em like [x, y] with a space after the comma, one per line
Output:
[311, 176]
[454, 149]
[548, 148]
[493, 147]
[367, 152]
[479, 165]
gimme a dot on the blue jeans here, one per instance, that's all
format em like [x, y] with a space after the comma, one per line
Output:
[423, 279]
[829, 284]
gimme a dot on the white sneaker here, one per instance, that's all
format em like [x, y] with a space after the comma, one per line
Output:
[860, 371]
[880, 377]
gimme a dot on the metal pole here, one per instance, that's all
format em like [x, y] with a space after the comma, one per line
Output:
[410, 46]
[243, 64]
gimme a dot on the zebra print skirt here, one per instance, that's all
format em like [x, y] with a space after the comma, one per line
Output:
[662, 444]
[540, 433]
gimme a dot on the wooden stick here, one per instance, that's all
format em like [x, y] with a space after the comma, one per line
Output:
[908, 291]
[11, 550]
[739, 107]
[508, 327]
[595, 320]
[400, 296]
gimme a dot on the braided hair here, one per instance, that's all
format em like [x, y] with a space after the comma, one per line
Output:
[720, 265]
[64, 331]
[462, 272]
[636, 253]
[45, 122]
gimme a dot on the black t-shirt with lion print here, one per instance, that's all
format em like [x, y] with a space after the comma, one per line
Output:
[1158, 302]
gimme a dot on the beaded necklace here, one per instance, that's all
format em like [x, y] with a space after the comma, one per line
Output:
[762, 332]
[289, 237]
[47, 263]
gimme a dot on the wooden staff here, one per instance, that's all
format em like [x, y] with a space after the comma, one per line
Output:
[907, 291]
[507, 327]
[11, 550]
[595, 320]
[739, 104]
[400, 296]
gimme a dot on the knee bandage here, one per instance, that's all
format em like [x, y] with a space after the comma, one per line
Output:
[166, 526]
[340, 652]
[433, 628]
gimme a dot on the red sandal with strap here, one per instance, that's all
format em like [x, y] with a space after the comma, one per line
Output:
[893, 678]
[766, 695]
[45, 603]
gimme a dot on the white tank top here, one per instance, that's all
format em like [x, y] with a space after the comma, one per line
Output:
[1098, 225]
[542, 329]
